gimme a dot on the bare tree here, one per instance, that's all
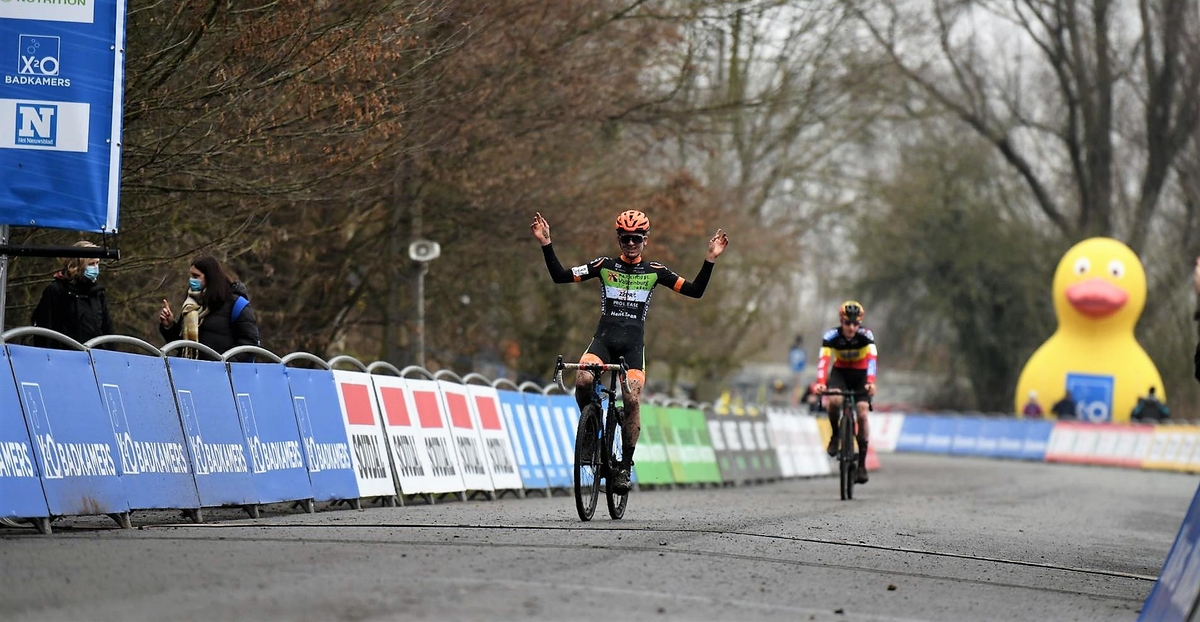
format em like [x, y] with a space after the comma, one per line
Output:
[1083, 98]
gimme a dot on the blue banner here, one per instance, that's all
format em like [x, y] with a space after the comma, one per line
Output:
[990, 432]
[913, 433]
[1175, 594]
[61, 75]
[71, 433]
[558, 458]
[1012, 439]
[1037, 439]
[264, 403]
[152, 454]
[323, 434]
[21, 492]
[941, 434]
[525, 445]
[220, 458]
[966, 436]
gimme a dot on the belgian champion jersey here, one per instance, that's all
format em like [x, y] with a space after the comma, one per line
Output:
[855, 352]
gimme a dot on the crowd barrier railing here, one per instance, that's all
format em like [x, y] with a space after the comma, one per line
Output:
[185, 428]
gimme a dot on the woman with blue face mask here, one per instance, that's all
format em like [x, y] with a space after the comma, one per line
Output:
[215, 312]
[74, 302]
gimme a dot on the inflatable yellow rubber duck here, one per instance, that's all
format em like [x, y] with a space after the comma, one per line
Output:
[1099, 292]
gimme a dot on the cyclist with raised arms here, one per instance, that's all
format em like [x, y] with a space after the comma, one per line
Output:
[848, 361]
[626, 284]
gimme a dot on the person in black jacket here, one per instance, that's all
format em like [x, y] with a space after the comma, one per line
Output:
[1150, 409]
[211, 312]
[74, 304]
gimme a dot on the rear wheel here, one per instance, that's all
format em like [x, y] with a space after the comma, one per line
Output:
[846, 458]
[587, 462]
[616, 501]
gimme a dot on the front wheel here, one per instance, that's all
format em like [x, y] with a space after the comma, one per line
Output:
[616, 501]
[846, 458]
[587, 462]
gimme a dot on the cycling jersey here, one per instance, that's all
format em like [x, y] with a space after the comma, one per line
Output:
[625, 293]
[856, 352]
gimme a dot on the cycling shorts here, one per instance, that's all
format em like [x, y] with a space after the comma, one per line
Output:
[848, 379]
[604, 351]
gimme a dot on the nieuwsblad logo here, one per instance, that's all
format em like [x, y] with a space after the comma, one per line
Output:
[78, 11]
[48, 125]
[39, 62]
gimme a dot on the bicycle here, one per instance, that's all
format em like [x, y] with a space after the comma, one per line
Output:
[598, 449]
[847, 430]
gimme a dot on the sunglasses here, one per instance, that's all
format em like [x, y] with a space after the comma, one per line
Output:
[633, 239]
[850, 323]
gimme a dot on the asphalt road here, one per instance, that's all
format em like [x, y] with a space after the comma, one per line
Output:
[929, 538]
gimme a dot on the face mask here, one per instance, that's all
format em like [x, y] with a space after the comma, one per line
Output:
[194, 284]
[91, 273]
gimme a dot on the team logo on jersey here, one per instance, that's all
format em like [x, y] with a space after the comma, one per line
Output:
[579, 270]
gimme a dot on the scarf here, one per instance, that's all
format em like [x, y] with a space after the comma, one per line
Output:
[193, 316]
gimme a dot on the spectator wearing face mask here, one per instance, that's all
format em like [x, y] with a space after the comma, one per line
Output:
[216, 311]
[74, 303]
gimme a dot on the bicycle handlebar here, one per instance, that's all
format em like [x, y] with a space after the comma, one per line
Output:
[596, 368]
[846, 392]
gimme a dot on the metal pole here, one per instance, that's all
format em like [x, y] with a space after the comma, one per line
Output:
[421, 313]
[3, 275]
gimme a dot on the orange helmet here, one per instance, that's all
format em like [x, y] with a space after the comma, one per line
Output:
[633, 221]
[852, 310]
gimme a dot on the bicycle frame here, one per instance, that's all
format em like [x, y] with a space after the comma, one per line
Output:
[847, 432]
[604, 456]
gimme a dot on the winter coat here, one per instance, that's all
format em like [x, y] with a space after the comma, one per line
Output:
[77, 309]
[218, 329]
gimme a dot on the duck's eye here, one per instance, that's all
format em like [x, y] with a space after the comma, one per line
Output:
[1082, 265]
[1116, 268]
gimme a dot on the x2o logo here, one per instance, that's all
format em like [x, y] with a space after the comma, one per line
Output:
[39, 55]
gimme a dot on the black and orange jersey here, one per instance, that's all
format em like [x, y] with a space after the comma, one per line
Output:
[856, 352]
[625, 288]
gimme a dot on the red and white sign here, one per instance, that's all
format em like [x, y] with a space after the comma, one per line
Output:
[476, 472]
[360, 413]
[497, 444]
[418, 436]
[1100, 443]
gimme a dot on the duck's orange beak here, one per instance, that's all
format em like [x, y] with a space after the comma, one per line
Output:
[1096, 297]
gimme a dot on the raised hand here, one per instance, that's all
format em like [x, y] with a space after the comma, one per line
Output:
[540, 228]
[717, 244]
[165, 317]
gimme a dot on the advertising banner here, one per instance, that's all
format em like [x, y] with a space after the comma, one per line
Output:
[322, 434]
[153, 455]
[726, 459]
[21, 492]
[966, 436]
[405, 439]
[476, 472]
[215, 442]
[71, 433]
[526, 448]
[264, 403]
[360, 415]
[556, 453]
[498, 449]
[430, 429]
[650, 462]
[61, 75]
[1174, 596]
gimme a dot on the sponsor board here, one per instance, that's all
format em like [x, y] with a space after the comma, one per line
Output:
[153, 456]
[365, 431]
